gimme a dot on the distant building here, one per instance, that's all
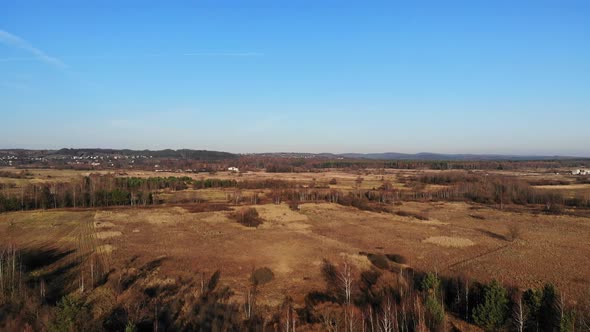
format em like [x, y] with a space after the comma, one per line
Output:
[233, 169]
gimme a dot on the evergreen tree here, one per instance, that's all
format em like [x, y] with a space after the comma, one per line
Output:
[492, 312]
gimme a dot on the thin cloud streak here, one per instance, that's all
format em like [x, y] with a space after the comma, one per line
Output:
[149, 55]
[15, 41]
[244, 54]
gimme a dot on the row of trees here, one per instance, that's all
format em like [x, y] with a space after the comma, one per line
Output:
[500, 190]
[276, 164]
[108, 190]
[89, 191]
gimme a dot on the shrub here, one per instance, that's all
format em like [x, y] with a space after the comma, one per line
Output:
[492, 312]
[130, 327]
[514, 232]
[434, 311]
[379, 260]
[553, 208]
[397, 258]
[294, 205]
[435, 314]
[248, 216]
[262, 276]
[417, 215]
[568, 322]
[430, 283]
[71, 315]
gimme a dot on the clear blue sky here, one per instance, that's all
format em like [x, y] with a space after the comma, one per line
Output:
[316, 76]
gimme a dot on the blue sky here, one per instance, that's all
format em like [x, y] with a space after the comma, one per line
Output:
[315, 76]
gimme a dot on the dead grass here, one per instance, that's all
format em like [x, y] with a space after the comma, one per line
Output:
[292, 244]
[107, 234]
[449, 241]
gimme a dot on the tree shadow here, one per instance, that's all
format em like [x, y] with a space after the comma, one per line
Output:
[492, 234]
[38, 258]
[129, 279]
[53, 268]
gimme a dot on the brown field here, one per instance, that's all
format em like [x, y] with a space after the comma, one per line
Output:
[179, 241]
[457, 239]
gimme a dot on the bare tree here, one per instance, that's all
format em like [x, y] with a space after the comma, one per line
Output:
[387, 316]
[420, 316]
[331, 315]
[250, 301]
[288, 316]
[519, 314]
[345, 278]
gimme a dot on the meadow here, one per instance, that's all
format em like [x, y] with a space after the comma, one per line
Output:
[113, 256]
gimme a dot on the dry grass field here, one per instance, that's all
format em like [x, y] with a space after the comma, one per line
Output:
[516, 246]
[293, 243]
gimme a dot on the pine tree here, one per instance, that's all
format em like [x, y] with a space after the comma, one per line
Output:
[492, 312]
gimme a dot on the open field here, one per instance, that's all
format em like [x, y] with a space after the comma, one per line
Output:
[191, 234]
[293, 243]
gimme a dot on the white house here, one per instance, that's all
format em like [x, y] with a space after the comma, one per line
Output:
[233, 169]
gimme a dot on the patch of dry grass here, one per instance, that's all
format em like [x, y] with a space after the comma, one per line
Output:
[107, 234]
[449, 241]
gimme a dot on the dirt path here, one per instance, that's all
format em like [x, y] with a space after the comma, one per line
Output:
[466, 261]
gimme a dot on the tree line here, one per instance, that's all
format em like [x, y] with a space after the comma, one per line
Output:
[89, 191]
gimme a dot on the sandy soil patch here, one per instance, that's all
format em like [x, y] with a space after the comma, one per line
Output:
[565, 186]
[105, 249]
[279, 213]
[107, 234]
[105, 216]
[449, 241]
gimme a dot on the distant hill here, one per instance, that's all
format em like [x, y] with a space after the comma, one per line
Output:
[451, 157]
[205, 155]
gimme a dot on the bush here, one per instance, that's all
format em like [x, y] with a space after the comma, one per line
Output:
[262, 276]
[553, 208]
[397, 258]
[492, 312]
[435, 312]
[294, 205]
[248, 217]
[379, 260]
[431, 284]
[514, 232]
[417, 215]
[72, 315]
